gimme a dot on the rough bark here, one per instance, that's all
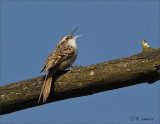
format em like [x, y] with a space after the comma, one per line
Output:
[135, 69]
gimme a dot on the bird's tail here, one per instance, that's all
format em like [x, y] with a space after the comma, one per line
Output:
[46, 86]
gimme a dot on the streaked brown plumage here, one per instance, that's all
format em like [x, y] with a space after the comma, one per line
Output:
[62, 57]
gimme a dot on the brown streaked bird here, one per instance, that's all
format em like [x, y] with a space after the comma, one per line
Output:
[62, 57]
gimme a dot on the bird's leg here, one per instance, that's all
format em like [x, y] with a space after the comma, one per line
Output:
[74, 67]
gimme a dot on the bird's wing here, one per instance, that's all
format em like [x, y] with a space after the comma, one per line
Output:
[57, 56]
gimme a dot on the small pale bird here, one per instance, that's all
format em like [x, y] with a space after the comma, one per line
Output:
[62, 57]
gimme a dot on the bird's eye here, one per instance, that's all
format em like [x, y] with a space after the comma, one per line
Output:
[67, 38]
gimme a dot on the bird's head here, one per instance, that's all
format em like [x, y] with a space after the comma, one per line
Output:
[69, 38]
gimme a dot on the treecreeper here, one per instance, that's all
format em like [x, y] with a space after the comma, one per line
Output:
[62, 57]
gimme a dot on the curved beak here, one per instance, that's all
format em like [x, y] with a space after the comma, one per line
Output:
[77, 36]
[73, 33]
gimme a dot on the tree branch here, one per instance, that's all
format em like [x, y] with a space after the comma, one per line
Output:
[136, 69]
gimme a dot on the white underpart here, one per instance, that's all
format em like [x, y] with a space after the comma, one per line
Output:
[72, 41]
[67, 63]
